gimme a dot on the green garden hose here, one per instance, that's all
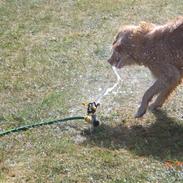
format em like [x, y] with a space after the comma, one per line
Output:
[90, 118]
[26, 127]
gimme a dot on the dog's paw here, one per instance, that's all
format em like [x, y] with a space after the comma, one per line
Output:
[141, 111]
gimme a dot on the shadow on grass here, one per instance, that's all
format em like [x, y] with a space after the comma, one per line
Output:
[162, 140]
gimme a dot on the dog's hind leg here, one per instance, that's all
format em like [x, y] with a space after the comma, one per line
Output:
[171, 83]
[162, 97]
[169, 78]
[156, 88]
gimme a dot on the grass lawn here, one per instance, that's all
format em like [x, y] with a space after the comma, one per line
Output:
[52, 58]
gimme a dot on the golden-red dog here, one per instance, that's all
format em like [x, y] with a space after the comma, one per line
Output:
[158, 47]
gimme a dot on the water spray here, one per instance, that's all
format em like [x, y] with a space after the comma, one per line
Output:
[110, 89]
[92, 106]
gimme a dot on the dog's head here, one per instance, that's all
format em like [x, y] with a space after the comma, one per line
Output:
[127, 43]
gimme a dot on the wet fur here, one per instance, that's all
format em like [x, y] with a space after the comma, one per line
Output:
[157, 47]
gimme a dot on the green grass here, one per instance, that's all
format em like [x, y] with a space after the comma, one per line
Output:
[52, 58]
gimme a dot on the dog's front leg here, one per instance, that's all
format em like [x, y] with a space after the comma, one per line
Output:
[152, 91]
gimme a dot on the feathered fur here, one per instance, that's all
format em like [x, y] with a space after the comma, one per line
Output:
[158, 47]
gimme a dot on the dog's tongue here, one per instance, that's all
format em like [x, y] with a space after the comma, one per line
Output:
[110, 89]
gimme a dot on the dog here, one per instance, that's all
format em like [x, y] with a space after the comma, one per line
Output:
[157, 47]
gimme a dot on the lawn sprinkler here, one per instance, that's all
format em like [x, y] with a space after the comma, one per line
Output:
[91, 117]
[92, 107]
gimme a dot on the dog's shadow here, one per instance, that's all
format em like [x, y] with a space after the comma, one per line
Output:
[162, 140]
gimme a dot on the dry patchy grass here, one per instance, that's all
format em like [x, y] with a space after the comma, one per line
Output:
[52, 58]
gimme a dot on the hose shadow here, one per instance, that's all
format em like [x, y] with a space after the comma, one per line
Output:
[162, 140]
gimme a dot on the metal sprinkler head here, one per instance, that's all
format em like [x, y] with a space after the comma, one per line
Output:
[91, 114]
